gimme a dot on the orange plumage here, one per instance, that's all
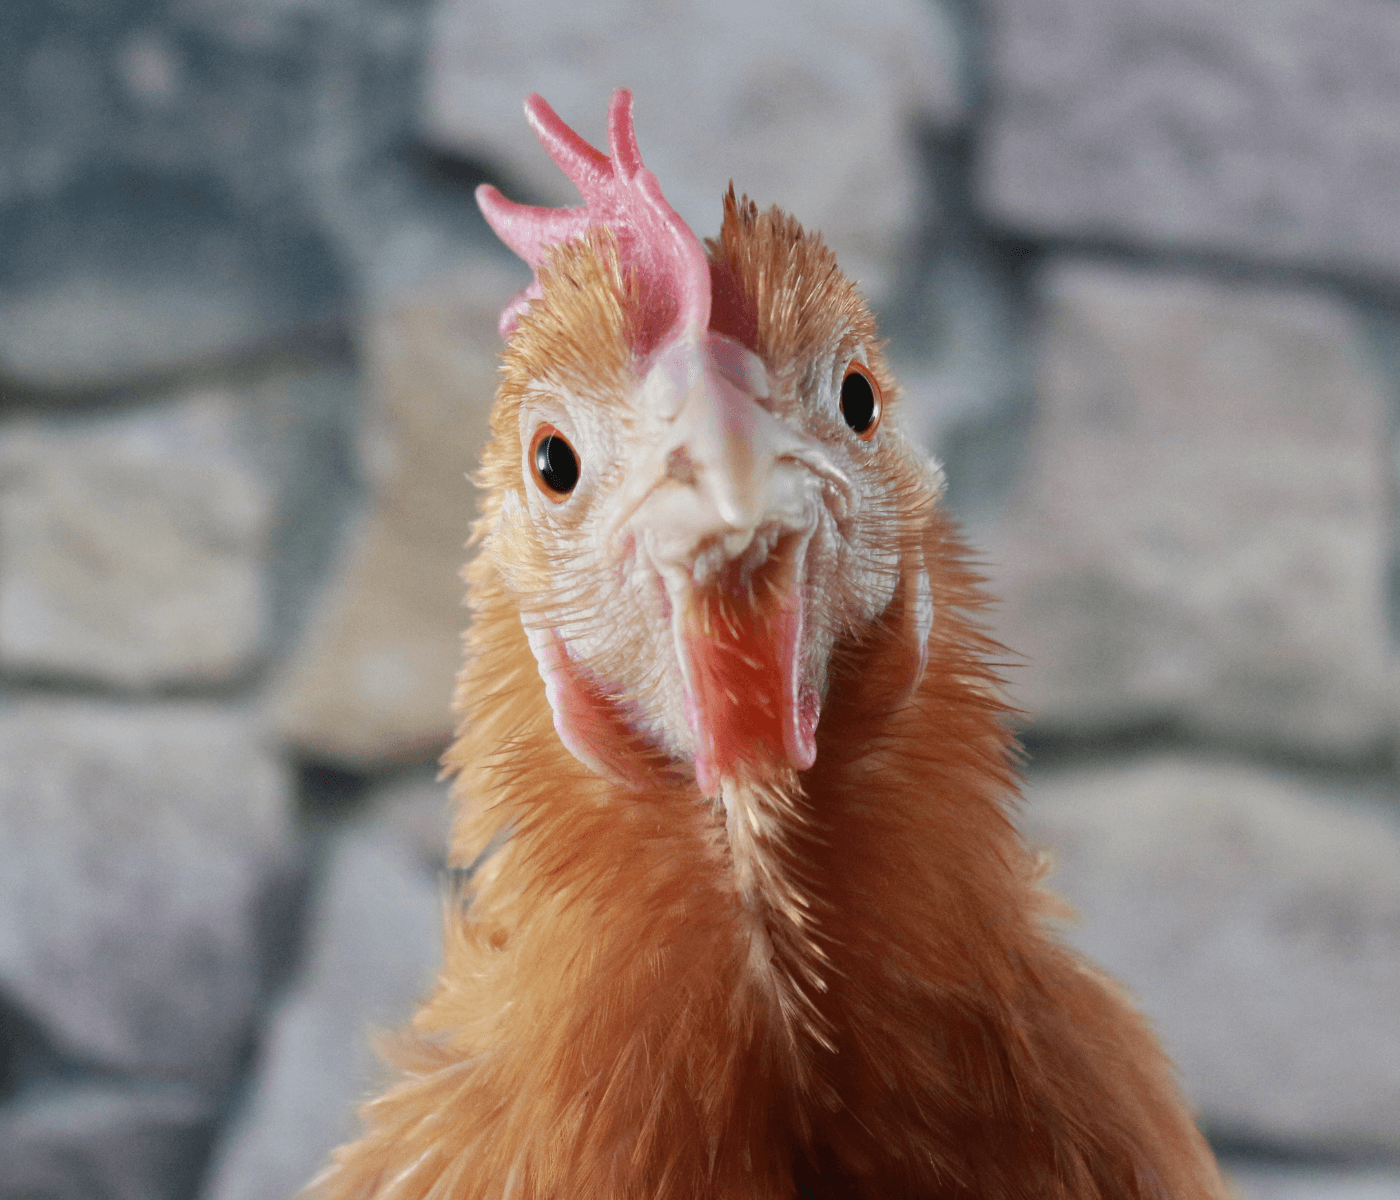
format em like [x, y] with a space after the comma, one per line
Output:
[695, 966]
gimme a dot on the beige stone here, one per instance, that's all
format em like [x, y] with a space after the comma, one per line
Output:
[131, 547]
[813, 105]
[1256, 915]
[1201, 534]
[372, 680]
[1260, 129]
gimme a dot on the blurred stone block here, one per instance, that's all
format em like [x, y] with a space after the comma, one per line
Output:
[412, 808]
[132, 547]
[139, 851]
[80, 1141]
[125, 274]
[813, 106]
[375, 944]
[1314, 1182]
[1257, 917]
[372, 680]
[1201, 533]
[962, 365]
[186, 181]
[298, 420]
[1259, 128]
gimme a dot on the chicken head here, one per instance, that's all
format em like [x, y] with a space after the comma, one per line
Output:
[707, 489]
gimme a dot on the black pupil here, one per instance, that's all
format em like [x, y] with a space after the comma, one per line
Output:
[557, 464]
[857, 401]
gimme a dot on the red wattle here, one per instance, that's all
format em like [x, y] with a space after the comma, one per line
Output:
[591, 726]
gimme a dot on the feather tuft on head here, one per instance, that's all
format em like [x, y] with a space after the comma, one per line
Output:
[654, 245]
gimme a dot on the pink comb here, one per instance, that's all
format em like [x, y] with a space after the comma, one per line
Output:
[673, 276]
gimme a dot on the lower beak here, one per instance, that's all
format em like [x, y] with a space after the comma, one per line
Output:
[741, 647]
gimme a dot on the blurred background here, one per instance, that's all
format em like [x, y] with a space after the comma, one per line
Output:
[1139, 262]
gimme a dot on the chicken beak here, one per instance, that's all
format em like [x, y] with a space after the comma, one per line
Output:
[707, 395]
[728, 510]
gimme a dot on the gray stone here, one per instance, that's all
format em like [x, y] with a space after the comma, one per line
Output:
[1257, 917]
[961, 362]
[118, 1142]
[812, 106]
[140, 849]
[375, 945]
[118, 276]
[371, 681]
[412, 808]
[1262, 128]
[1314, 1182]
[1201, 533]
[186, 180]
[132, 547]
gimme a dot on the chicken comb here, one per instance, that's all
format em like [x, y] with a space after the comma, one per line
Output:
[620, 194]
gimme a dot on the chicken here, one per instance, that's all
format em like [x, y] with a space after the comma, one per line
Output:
[752, 920]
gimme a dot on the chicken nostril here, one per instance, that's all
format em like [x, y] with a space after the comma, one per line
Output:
[680, 467]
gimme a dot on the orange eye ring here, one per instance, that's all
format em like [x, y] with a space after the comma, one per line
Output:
[861, 402]
[554, 464]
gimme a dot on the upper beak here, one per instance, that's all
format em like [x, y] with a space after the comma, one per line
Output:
[732, 464]
[718, 437]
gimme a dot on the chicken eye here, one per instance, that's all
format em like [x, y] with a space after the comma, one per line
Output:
[553, 463]
[860, 400]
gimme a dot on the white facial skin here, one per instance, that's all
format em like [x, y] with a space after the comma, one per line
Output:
[711, 476]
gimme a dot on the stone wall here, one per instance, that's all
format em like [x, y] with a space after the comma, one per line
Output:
[1140, 268]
